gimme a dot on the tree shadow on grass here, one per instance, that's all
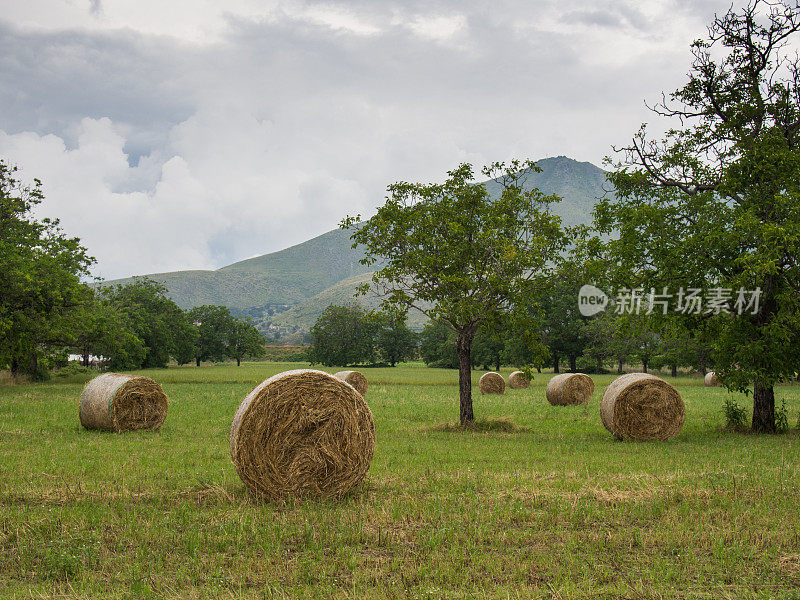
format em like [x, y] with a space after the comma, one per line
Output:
[499, 425]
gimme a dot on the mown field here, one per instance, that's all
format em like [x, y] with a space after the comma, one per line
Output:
[541, 502]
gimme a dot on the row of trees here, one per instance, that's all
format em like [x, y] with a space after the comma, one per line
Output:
[587, 344]
[351, 335]
[47, 309]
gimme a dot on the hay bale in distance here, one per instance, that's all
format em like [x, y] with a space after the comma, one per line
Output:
[355, 378]
[492, 383]
[518, 381]
[302, 434]
[117, 402]
[711, 379]
[569, 389]
[640, 406]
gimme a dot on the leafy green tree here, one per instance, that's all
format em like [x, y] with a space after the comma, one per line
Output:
[489, 347]
[459, 255]
[608, 338]
[686, 342]
[99, 328]
[561, 321]
[244, 341]
[214, 325]
[40, 278]
[154, 318]
[525, 345]
[437, 346]
[715, 204]
[342, 336]
[394, 341]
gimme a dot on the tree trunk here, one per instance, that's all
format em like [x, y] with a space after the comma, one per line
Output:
[85, 357]
[573, 363]
[674, 370]
[599, 365]
[644, 366]
[703, 369]
[463, 347]
[619, 367]
[763, 407]
[555, 363]
[238, 362]
[14, 367]
[198, 361]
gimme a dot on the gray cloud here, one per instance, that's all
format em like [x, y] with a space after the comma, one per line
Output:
[275, 129]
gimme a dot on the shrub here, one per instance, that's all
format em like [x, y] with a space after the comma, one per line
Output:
[735, 416]
[782, 418]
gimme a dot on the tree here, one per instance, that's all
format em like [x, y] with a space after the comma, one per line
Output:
[562, 324]
[244, 340]
[342, 336]
[716, 203]
[214, 325]
[437, 346]
[99, 328]
[489, 346]
[41, 271]
[155, 319]
[394, 341]
[608, 336]
[459, 255]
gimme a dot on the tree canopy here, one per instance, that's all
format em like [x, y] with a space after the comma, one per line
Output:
[715, 204]
[40, 270]
[459, 255]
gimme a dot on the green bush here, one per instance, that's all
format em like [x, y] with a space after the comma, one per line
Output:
[735, 416]
[782, 418]
[73, 368]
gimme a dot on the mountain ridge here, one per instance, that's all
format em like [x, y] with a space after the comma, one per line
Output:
[268, 285]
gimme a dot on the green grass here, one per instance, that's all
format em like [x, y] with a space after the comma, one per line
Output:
[535, 502]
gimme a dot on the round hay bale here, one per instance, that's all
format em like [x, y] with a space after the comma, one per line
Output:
[302, 434]
[119, 402]
[518, 381]
[569, 389]
[355, 378]
[492, 383]
[640, 406]
[711, 379]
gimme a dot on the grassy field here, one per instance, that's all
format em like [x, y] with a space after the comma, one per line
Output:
[552, 507]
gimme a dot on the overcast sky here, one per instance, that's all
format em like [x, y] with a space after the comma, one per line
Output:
[189, 134]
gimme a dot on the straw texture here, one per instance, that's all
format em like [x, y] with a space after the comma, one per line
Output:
[355, 378]
[518, 381]
[569, 388]
[302, 433]
[711, 379]
[117, 402]
[492, 383]
[639, 406]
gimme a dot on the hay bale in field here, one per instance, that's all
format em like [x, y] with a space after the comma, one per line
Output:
[639, 406]
[492, 383]
[119, 402]
[711, 379]
[302, 433]
[569, 388]
[355, 378]
[518, 381]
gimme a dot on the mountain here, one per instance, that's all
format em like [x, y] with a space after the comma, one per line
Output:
[287, 290]
[271, 281]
